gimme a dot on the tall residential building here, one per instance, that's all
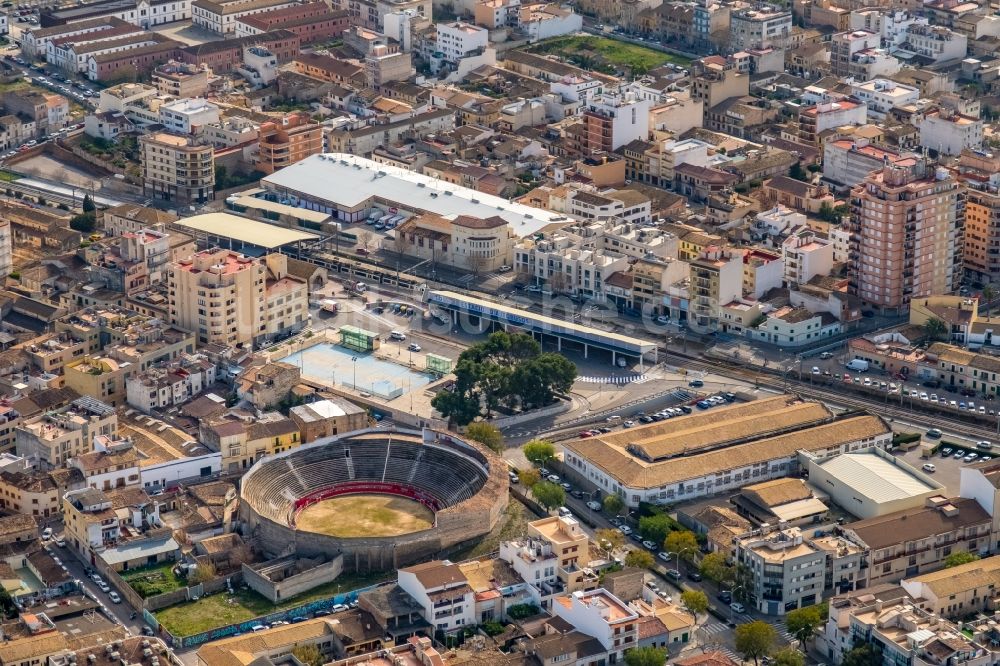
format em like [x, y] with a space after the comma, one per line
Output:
[176, 169]
[760, 28]
[980, 173]
[286, 141]
[906, 228]
[715, 79]
[231, 299]
[845, 45]
[613, 120]
[716, 280]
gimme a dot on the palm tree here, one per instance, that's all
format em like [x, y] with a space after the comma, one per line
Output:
[935, 329]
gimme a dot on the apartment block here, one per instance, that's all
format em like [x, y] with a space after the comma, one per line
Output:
[980, 174]
[175, 168]
[459, 40]
[552, 559]
[716, 280]
[612, 120]
[231, 299]
[99, 377]
[311, 21]
[908, 543]
[444, 593]
[760, 28]
[787, 572]
[180, 80]
[907, 235]
[53, 438]
[600, 614]
[288, 140]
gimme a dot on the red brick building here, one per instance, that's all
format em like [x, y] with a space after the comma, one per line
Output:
[312, 22]
[225, 55]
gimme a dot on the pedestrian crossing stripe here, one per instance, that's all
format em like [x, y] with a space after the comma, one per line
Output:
[625, 379]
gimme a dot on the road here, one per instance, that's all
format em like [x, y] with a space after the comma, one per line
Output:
[119, 613]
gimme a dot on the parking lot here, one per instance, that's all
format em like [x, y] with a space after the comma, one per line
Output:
[947, 468]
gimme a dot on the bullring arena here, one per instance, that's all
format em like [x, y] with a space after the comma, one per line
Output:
[382, 498]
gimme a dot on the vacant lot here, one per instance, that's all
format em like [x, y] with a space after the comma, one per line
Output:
[606, 55]
[150, 581]
[220, 610]
[44, 166]
[365, 515]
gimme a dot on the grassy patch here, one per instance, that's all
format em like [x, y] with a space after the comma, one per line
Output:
[150, 581]
[605, 54]
[219, 610]
[7, 176]
[14, 86]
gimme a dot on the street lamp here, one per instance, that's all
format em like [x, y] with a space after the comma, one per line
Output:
[354, 384]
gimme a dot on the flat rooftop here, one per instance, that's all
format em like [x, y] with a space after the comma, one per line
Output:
[243, 229]
[359, 180]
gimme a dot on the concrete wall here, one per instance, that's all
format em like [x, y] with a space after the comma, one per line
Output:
[276, 590]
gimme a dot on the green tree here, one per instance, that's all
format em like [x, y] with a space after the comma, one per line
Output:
[641, 559]
[788, 657]
[715, 568]
[646, 656]
[862, 655]
[959, 558]
[88, 204]
[683, 543]
[549, 494]
[528, 477]
[460, 408]
[798, 173]
[803, 622]
[221, 177]
[486, 434]
[308, 655]
[935, 329]
[614, 505]
[609, 540]
[539, 451]
[694, 602]
[754, 639]
[85, 223]
[989, 293]
[655, 528]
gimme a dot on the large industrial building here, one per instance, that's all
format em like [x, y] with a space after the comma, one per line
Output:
[720, 449]
[348, 187]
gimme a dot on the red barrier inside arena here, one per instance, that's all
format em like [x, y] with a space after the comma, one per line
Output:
[368, 487]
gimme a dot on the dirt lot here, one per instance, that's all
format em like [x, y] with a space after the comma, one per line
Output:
[43, 166]
[185, 32]
[365, 515]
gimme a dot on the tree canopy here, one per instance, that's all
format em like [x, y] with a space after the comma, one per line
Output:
[528, 477]
[614, 505]
[646, 656]
[803, 622]
[639, 558]
[539, 451]
[549, 495]
[656, 528]
[609, 539]
[788, 657]
[935, 329]
[694, 602]
[959, 558]
[683, 543]
[486, 434]
[754, 639]
[714, 567]
[509, 370]
[862, 655]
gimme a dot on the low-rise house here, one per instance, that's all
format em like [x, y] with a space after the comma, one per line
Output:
[326, 418]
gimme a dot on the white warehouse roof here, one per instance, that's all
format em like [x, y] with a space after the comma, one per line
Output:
[875, 477]
[349, 181]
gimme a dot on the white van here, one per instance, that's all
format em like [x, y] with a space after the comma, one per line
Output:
[858, 365]
[397, 335]
[565, 513]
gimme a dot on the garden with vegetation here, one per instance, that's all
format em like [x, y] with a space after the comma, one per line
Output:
[602, 54]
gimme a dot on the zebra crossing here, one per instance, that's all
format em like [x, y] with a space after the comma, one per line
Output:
[779, 627]
[619, 380]
[712, 628]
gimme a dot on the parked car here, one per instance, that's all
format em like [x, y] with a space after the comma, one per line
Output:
[673, 574]
[552, 478]
[649, 545]
[115, 599]
[696, 383]
[47, 533]
[737, 607]
[414, 347]
[725, 596]
[928, 467]
[594, 506]
[663, 555]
